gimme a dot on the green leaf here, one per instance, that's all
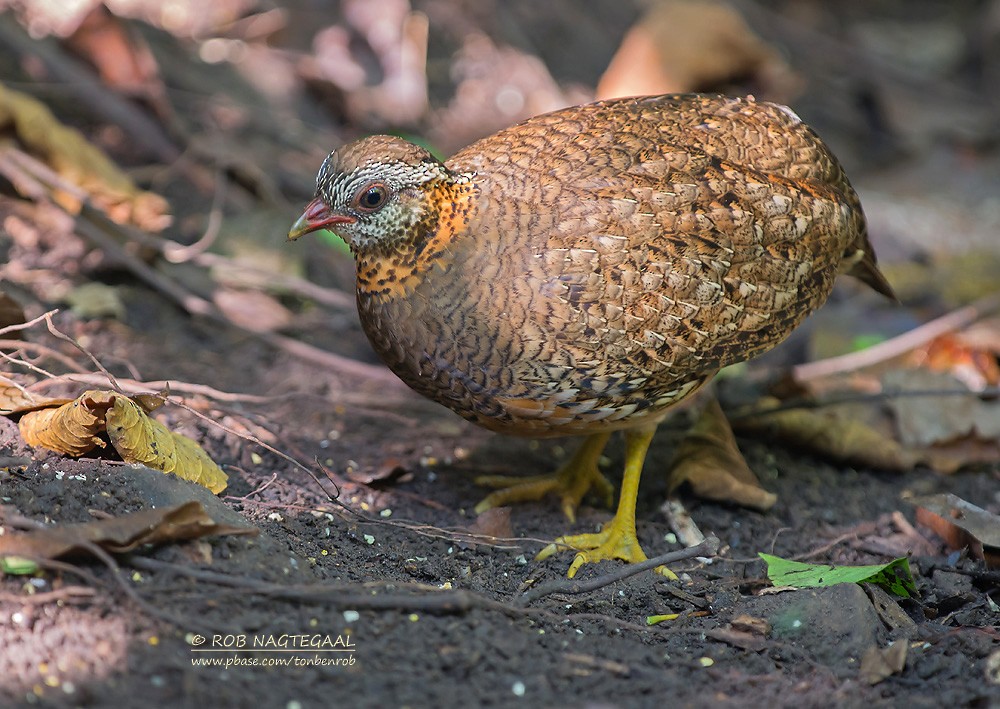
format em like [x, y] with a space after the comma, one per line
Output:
[332, 240]
[17, 566]
[894, 576]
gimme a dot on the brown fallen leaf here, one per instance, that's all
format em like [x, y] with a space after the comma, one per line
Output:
[879, 664]
[751, 624]
[693, 45]
[388, 471]
[961, 524]
[118, 534]
[251, 309]
[840, 438]
[948, 427]
[74, 428]
[494, 522]
[709, 460]
[121, 56]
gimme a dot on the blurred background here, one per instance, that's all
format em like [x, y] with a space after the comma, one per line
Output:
[198, 128]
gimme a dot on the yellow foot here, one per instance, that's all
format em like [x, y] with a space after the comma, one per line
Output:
[571, 482]
[614, 541]
[617, 539]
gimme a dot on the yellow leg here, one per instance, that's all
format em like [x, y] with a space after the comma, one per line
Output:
[571, 482]
[617, 539]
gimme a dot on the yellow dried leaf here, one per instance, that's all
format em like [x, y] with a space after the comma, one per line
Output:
[140, 439]
[71, 429]
[709, 460]
[69, 153]
[75, 427]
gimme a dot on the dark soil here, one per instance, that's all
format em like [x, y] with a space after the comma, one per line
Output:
[363, 498]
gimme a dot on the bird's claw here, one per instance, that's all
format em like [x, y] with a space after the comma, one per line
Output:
[610, 543]
[570, 486]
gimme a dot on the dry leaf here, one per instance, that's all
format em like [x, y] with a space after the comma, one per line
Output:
[961, 524]
[709, 460]
[738, 638]
[844, 439]
[121, 56]
[74, 428]
[67, 151]
[252, 310]
[693, 45]
[118, 534]
[935, 419]
[96, 300]
[493, 522]
[71, 429]
[878, 664]
[949, 430]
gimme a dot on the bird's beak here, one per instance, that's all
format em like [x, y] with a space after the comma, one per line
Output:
[316, 216]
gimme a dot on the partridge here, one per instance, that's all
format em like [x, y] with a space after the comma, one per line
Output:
[583, 271]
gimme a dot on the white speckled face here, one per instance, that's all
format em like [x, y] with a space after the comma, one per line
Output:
[379, 192]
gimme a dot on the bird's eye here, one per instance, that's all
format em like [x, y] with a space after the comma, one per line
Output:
[371, 197]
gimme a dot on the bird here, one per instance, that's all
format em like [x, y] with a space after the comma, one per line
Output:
[586, 270]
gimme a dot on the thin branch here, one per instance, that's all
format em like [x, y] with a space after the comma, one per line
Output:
[709, 547]
[57, 333]
[900, 345]
[179, 253]
[42, 350]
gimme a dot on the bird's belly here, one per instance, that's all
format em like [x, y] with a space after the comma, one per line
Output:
[498, 379]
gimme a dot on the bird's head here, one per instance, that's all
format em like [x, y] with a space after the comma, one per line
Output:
[376, 193]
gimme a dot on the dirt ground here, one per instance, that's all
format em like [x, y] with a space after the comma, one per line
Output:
[366, 584]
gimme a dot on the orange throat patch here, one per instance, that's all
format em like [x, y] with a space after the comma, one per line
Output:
[395, 271]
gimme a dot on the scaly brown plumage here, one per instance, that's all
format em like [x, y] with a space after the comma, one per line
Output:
[582, 271]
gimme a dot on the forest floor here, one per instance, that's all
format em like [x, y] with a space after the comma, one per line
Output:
[369, 581]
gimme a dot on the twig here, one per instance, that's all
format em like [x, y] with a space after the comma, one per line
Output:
[193, 304]
[963, 317]
[271, 281]
[707, 548]
[40, 349]
[179, 253]
[66, 593]
[27, 325]
[334, 362]
[344, 595]
[59, 334]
